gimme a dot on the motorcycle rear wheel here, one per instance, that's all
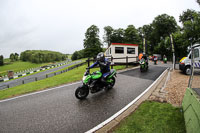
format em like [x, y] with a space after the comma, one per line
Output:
[112, 83]
[81, 92]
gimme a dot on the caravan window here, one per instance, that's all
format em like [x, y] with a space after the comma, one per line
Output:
[130, 50]
[119, 50]
[196, 53]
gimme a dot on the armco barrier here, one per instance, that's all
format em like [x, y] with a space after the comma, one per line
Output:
[191, 108]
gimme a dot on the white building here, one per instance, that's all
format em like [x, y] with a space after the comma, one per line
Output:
[121, 50]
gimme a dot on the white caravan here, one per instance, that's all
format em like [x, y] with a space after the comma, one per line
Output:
[121, 50]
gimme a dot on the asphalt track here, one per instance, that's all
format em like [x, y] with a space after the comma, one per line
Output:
[57, 110]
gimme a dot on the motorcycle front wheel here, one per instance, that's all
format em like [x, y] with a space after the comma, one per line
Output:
[81, 92]
[141, 69]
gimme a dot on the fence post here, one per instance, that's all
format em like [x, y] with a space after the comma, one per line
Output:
[126, 61]
[88, 62]
[22, 81]
[46, 76]
[35, 78]
[111, 62]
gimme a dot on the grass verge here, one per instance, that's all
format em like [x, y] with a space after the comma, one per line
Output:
[67, 77]
[153, 117]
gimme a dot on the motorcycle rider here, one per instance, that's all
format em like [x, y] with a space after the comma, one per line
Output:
[155, 58]
[104, 65]
[145, 58]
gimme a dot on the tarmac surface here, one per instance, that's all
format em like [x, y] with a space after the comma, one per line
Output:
[57, 110]
[197, 90]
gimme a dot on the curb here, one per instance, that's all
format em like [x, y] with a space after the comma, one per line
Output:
[114, 120]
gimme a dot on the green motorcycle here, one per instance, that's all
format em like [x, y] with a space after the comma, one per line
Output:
[165, 60]
[143, 65]
[92, 83]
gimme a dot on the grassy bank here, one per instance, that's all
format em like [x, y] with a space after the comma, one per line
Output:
[67, 77]
[153, 117]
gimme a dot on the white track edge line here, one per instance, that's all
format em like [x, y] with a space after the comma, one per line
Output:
[125, 108]
[1, 101]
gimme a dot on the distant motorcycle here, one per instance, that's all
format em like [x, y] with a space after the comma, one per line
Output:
[143, 65]
[92, 83]
[165, 60]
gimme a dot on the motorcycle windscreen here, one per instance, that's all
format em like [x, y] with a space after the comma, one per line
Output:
[96, 75]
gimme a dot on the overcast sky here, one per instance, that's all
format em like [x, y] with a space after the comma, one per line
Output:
[60, 25]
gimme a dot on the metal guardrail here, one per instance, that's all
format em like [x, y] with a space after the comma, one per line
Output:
[39, 77]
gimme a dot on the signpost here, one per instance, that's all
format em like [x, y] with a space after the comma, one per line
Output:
[173, 51]
[144, 50]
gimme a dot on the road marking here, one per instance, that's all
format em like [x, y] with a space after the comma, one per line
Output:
[1, 101]
[125, 108]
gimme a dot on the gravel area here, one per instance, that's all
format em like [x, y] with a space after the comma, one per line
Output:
[174, 90]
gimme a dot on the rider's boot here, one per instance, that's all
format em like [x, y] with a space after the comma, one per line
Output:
[106, 84]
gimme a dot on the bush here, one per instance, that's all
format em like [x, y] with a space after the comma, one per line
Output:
[41, 56]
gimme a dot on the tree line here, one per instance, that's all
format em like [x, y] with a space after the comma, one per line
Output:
[157, 35]
[41, 56]
[14, 57]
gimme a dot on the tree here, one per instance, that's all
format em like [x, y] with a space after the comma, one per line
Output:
[16, 56]
[163, 26]
[118, 36]
[78, 54]
[191, 26]
[146, 32]
[12, 57]
[1, 60]
[75, 55]
[108, 31]
[41, 56]
[187, 16]
[131, 35]
[92, 42]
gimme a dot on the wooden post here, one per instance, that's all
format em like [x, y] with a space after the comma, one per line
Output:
[111, 62]
[126, 61]
[88, 62]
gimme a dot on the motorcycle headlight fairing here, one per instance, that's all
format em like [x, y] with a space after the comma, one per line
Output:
[84, 77]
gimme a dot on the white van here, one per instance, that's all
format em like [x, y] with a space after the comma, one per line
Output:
[185, 63]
